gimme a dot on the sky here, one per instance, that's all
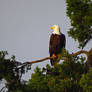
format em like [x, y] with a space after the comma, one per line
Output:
[25, 29]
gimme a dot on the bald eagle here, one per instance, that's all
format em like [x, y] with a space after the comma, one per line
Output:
[57, 42]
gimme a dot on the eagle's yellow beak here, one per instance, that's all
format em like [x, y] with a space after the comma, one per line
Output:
[52, 28]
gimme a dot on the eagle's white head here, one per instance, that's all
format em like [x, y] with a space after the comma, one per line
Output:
[56, 29]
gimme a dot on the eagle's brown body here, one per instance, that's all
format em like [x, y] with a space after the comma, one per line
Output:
[57, 42]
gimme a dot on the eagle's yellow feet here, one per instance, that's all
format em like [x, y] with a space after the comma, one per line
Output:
[54, 56]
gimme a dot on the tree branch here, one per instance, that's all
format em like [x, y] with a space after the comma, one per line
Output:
[41, 60]
[32, 62]
[80, 52]
[47, 58]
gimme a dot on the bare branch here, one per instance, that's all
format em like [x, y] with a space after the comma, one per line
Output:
[47, 58]
[41, 60]
[80, 52]
[32, 62]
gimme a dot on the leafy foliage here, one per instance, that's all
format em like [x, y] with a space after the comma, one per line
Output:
[86, 81]
[69, 76]
[64, 77]
[80, 14]
[56, 79]
[10, 71]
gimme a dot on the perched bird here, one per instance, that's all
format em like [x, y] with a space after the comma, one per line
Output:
[57, 42]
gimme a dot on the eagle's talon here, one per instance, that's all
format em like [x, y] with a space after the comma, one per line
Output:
[54, 56]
